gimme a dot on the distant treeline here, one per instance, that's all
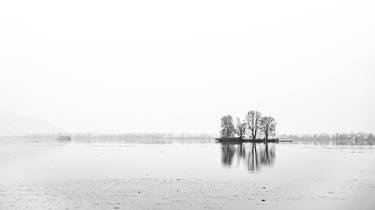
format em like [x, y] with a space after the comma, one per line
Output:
[146, 136]
[330, 137]
[358, 136]
[130, 136]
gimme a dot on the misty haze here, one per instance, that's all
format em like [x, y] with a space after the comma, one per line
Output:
[187, 104]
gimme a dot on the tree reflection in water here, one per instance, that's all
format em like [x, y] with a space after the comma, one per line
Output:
[255, 156]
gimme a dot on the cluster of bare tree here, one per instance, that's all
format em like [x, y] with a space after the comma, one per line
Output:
[254, 125]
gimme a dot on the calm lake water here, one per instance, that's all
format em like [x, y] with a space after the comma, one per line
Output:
[284, 174]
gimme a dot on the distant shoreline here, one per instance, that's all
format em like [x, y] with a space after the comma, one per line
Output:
[163, 138]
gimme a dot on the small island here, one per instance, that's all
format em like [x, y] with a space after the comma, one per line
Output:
[254, 128]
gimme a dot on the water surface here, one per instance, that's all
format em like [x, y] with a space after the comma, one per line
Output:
[263, 175]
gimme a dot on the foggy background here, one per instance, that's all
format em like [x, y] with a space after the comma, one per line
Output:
[178, 66]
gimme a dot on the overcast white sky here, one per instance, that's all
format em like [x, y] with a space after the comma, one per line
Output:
[178, 66]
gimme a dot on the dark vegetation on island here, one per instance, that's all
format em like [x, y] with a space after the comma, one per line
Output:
[254, 127]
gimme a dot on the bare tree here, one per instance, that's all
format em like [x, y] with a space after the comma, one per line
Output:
[253, 120]
[240, 128]
[267, 126]
[227, 127]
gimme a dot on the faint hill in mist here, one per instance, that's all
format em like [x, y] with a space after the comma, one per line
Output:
[12, 124]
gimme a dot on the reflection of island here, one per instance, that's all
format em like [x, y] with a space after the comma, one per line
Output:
[254, 155]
